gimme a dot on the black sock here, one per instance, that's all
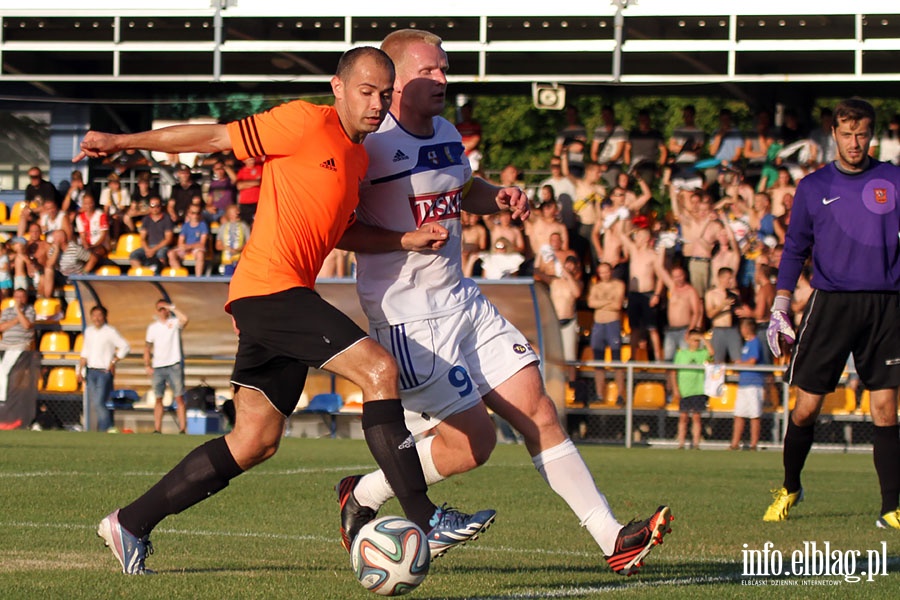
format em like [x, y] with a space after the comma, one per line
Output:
[886, 453]
[797, 443]
[394, 449]
[199, 475]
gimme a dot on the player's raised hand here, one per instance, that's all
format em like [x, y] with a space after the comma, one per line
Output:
[429, 236]
[515, 200]
[780, 325]
[96, 144]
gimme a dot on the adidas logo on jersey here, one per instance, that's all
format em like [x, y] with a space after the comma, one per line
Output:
[329, 164]
[398, 156]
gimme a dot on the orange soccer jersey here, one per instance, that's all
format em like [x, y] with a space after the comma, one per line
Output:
[309, 192]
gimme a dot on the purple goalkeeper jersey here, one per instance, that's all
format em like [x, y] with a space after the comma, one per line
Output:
[851, 224]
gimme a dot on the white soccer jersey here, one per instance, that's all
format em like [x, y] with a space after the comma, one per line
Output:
[412, 181]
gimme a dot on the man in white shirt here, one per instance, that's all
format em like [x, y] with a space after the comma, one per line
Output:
[164, 346]
[103, 347]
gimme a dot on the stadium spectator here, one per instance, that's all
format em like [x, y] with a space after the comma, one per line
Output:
[93, 227]
[685, 145]
[39, 188]
[542, 225]
[645, 285]
[889, 142]
[334, 265]
[782, 186]
[74, 259]
[699, 230]
[721, 301]
[782, 221]
[474, 241]
[589, 194]
[503, 260]
[571, 142]
[608, 145]
[192, 241]
[684, 312]
[157, 236]
[566, 288]
[222, 186]
[645, 150]
[126, 160]
[164, 362]
[140, 201]
[500, 225]
[607, 297]
[115, 202]
[231, 239]
[726, 145]
[103, 347]
[749, 403]
[756, 146]
[183, 193]
[689, 389]
[822, 137]
[72, 201]
[470, 131]
[564, 193]
[248, 182]
[17, 329]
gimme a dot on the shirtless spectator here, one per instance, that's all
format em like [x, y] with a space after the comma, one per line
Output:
[564, 280]
[782, 222]
[721, 303]
[551, 257]
[684, 312]
[564, 193]
[607, 296]
[500, 225]
[645, 285]
[783, 186]
[633, 201]
[699, 230]
[727, 251]
[474, 239]
[542, 224]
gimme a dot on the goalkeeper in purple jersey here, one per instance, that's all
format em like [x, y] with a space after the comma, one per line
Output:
[846, 217]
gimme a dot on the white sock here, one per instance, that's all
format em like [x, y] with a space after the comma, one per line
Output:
[373, 490]
[565, 472]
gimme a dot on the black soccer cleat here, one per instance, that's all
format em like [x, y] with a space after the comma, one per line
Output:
[353, 514]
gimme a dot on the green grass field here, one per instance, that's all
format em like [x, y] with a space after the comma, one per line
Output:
[274, 532]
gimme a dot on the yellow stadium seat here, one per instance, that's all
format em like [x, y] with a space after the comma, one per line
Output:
[841, 401]
[7, 303]
[79, 343]
[54, 344]
[725, 402]
[625, 354]
[4, 212]
[349, 391]
[73, 315]
[108, 270]
[649, 395]
[865, 403]
[174, 272]
[141, 272]
[16, 213]
[126, 244]
[62, 379]
[47, 309]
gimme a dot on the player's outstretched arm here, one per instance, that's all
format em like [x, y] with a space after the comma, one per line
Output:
[369, 239]
[484, 198]
[174, 139]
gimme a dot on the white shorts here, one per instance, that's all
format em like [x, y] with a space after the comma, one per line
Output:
[749, 402]
[449, 363]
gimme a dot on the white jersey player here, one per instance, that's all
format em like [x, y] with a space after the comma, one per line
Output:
[457, 354]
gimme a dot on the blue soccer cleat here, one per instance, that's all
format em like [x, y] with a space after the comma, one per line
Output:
[451, 528]
[129, 550]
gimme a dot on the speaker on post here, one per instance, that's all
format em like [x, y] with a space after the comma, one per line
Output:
[548, 97]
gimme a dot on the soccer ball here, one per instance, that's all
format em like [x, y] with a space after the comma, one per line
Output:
[390, 556]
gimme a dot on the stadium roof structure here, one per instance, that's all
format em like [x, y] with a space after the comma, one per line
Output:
[102, 48]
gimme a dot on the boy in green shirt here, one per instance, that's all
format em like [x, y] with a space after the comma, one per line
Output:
[690, 385]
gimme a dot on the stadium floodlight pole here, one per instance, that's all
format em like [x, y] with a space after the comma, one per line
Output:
[618, 25]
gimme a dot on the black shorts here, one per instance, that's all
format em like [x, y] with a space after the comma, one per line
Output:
[282, 335]
[695, 404]
[836, 324]
[640, 314]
